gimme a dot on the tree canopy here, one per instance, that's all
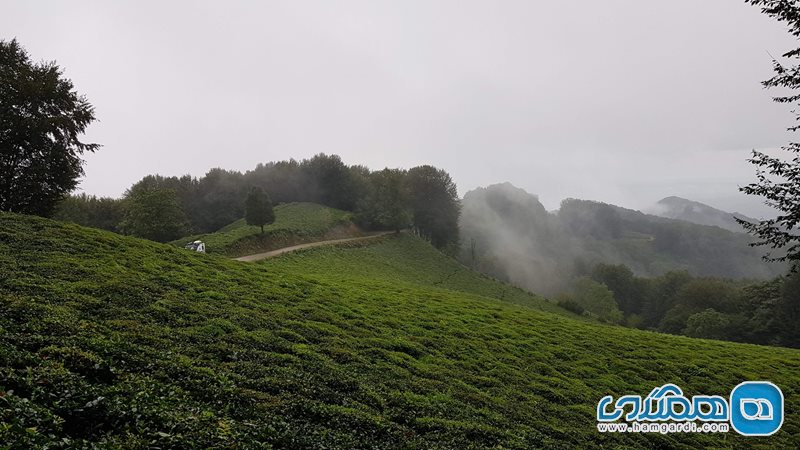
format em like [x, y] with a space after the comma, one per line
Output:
[154, 214]
[424, 198]
[258, 208]
[435, 207]
[98, 212]
[41, 120]
[386, 205]
[778, 180]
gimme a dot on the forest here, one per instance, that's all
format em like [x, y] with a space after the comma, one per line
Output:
[164, 208]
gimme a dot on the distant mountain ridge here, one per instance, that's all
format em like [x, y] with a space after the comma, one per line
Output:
[699, 213]
[507, 233]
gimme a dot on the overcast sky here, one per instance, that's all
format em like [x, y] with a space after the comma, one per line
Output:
[620, 101]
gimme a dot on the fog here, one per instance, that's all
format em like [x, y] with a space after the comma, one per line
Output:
[515, 239]
[621, 101]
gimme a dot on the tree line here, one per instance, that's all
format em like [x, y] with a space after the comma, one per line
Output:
[766, 312]
[165, 208]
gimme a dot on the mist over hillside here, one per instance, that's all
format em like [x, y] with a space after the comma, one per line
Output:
[507, 233]
[699, 213]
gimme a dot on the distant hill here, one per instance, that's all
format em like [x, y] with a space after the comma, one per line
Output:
[114, 342]
[295, 223]
[506, 232]
[699, 213]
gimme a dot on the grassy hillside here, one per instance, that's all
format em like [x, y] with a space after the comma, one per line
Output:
[294, 223]
[402, 261]
[118, 342]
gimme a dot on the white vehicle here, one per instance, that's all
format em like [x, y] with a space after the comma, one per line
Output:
[196, 246]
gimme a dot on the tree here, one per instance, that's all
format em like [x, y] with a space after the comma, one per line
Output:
[697, 295]
[285, 181]
[154, 214]
[597, 299]
[661, 299]
[788, 312]
[628, 292]
[779, 180]
[435, 207]
[709, 324]
[41, 118]
[332, 182]
[258, 208]
[91, 211]
[218, 199]
[386, 204]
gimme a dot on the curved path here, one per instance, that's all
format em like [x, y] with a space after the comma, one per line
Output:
[280, 251]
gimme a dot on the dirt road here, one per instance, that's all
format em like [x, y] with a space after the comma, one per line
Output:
[280, 251]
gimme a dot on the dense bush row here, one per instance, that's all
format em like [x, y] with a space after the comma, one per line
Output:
[766, 312]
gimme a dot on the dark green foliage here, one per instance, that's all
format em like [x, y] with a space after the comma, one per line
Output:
[285, 181]
[41, 119]
[334, 184]
[678, 303]
[709, 324]
[386, 205]
[660, 294]
[425, 197]
[218, 199]
[115, 342]
[91, 211]
[788, 312]
[155, 214]
[699, 295]
[258, 208]
[596, 299]
[779, 180]
[598, 220]
[620, 280]
[435, 207]
[570, 304]
[187, 189]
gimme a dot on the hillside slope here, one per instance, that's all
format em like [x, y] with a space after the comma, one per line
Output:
[295, 223]
[118, 342]
[516, 239]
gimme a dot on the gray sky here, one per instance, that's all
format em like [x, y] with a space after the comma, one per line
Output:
[620, 101]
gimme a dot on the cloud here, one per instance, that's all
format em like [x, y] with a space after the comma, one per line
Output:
[608, 100]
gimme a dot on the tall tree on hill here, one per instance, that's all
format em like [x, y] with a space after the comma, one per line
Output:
[258, 208]
[779, 180]
[41, 119]
[435, 207]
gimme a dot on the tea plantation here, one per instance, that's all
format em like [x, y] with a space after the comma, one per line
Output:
[294, 223]
[114, 342]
